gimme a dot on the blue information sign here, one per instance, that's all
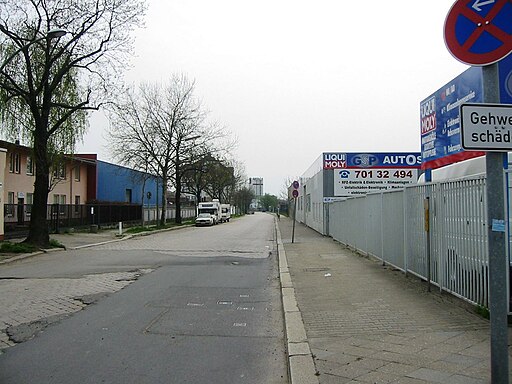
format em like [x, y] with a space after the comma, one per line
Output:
[440, 114]
[440, 120]
[505, 73]
[341, 160]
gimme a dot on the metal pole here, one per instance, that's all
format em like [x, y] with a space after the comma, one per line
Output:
[381, 230]
[498, 265]
[427, 229]
[294, 217]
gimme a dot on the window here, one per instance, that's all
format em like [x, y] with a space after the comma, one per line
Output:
[9, 210]
[29, 201]
[30, 166]
[14, 162]
[128, 196]
[60, 171]
[77, 173]
[77, 204]
[61, 200]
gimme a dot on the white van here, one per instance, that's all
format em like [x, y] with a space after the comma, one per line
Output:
[225, 214]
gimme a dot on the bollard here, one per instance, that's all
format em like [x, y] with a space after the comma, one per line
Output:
[120, 228]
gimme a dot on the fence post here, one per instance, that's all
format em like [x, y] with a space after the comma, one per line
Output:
[404, 202]
[427, 230]
[382, 228]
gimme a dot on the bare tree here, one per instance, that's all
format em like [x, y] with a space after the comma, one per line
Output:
[195, 177]
[243, 198]
[284, 193]
[60, 59]
[164, 126]
[221, 181]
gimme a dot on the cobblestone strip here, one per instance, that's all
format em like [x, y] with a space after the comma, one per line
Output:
[24, 301]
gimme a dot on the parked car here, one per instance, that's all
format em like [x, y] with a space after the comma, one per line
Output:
[204, 219]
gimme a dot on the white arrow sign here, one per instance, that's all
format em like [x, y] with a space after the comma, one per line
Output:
[479, 3]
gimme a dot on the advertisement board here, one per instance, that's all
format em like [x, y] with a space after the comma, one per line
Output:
[361, 173]
[440, 120]
[440, 115]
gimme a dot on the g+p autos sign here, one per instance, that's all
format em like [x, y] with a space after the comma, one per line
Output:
[360, 173]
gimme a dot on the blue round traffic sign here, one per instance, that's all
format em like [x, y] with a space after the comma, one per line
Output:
[479, 32]
[295, 184]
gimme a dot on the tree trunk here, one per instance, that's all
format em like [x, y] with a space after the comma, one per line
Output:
[38, 229]
[164, 201]
[178, 198]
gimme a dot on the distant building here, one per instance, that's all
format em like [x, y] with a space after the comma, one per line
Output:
[76, 182]
[118, 184]
[256, 185]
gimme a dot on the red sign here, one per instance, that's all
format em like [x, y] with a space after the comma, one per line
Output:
[479, 32]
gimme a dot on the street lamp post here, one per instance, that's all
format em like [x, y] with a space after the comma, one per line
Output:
[51, 34]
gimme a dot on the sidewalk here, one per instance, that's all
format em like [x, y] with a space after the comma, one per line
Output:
[365, 323]
[77, 240]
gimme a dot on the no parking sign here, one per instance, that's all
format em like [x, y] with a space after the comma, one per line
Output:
[479, 32]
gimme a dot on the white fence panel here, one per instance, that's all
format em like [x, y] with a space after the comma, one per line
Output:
[461, 207]
[416, 239]
[391, 226]
[393, 229]
[373, 224]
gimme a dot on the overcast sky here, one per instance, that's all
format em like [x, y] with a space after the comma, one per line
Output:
[293, 79]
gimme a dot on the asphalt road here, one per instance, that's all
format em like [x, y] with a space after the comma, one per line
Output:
[210, 312]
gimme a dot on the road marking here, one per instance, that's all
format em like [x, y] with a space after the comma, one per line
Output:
[239, 324]
[245, 309]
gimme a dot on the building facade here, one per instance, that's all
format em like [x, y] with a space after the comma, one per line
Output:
[256, 185]
[68, 182]
[77, 181]
[342, 175]
[114, 183]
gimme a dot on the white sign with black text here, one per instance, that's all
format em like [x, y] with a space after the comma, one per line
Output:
[356, 182]
[486, 127]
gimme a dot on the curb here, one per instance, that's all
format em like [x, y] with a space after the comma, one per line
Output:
[44, 251]
[29, 255]
[300, 359]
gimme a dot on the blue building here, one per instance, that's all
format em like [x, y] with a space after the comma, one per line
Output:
[113, 183]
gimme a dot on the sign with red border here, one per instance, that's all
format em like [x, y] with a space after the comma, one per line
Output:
[479, 32]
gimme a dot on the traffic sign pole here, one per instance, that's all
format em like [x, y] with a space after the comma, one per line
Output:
[498, 260]
[478, 33]
[294, 218]
[295, 194]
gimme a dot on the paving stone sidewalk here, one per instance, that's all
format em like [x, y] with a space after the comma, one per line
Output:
[368, 323]
[28, 305]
